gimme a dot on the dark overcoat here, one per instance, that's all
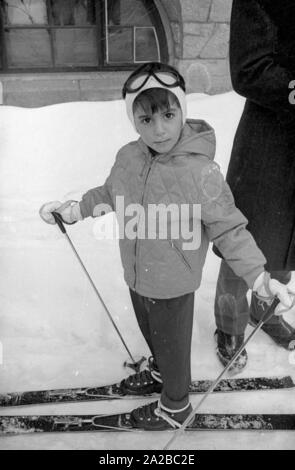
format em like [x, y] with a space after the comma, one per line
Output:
[261, 172]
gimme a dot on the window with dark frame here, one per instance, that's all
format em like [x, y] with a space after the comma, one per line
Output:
[73, 35]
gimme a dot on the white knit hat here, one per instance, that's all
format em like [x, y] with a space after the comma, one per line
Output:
[153, 83]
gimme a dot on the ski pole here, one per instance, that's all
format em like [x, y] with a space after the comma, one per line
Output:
[266, 316]
[59, 220]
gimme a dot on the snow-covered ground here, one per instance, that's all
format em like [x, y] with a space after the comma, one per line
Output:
[53, 331]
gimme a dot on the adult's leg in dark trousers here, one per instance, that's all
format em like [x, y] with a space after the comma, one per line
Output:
[231, 306]
[171, 322]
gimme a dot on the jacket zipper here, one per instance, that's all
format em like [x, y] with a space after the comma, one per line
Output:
[180, 254]
[142, 199]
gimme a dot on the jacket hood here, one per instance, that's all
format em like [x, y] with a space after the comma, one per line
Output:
[197, 137]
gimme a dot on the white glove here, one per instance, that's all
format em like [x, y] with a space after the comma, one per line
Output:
[291, 291]
[70, 211]
[266, 289]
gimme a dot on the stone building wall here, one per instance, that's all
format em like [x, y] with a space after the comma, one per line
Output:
[200, 36]
[201, 44]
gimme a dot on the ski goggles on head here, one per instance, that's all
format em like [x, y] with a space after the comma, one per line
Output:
[154, 75]
[167, 79]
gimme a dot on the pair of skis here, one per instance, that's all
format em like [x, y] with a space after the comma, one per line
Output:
[121, 422]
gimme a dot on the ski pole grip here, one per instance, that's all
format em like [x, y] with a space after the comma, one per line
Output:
[59, 221]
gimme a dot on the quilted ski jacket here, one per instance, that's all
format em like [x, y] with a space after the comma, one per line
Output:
[161, 265]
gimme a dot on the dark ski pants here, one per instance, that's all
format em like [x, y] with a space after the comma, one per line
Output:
[232, 312]
[166, 325]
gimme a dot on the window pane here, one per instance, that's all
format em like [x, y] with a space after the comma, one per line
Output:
[28, 48]
[146, 47]
[73, 12]
[75, 47]
[25, 12]
[120, 45]
[128, 12]
[136, 16]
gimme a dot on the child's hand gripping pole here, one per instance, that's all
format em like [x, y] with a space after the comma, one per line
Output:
[266, 316]
[135, 365]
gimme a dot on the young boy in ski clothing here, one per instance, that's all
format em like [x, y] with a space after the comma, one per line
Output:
[171, 163]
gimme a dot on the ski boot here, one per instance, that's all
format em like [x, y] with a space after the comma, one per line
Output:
[156, 417]
[226, 347]
[280, 332]
[145, 382]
